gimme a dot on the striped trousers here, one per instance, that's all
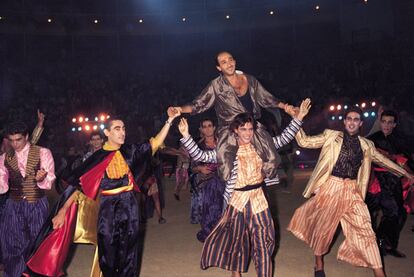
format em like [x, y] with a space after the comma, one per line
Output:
[316, 221]
[21, 222]
[239, 236]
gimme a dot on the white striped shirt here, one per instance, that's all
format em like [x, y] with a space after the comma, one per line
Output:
[210, 156]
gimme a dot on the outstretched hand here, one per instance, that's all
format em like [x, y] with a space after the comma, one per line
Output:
[304, 108]
[183, 128]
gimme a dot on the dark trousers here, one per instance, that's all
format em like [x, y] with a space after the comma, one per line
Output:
[118, 235]
[390, 202]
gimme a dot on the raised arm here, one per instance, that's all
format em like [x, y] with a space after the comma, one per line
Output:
[158, 140]
[312, 142]
[38, 130]
[192, 148]
[202, 103]
[292, 129]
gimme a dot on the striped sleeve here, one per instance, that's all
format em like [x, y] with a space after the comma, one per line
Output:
[196, 153]
[288, 133]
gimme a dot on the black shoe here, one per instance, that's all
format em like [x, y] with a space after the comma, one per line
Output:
[396, 253]
[177, 197]
[162, 220]
[319, 273]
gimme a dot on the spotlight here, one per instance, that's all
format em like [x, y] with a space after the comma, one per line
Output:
[74, 119]
[317, 7]
[1, 17]
[271, 12]
[96, 118]
[356, 105]
[366, 114]
[73, 129]
[141, 21]
[87, 127]
[363, 105]
[373, 104]
[340, 117]
[366, 1]
[86, 119]
[333, 117]
[96, 21]
[345, 107]
[49, 20]
[332, 108]
[107, 117]
[373, 114]
[95, 127]
[297, 152]
[79, 128]
[102, 118]
[227, 16]
[102, 126]
[183, 19]
[339, 107]
[80, 119]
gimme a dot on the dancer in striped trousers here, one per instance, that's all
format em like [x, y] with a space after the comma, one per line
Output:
[339, 183]
[26, 171]
[246, 229]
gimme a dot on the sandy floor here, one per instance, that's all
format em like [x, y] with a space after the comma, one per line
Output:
[172, 249]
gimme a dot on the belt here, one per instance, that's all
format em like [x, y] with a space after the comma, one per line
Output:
[251, 187]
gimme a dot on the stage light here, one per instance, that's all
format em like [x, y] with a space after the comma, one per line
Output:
[333, 117]
[366, 114]
[363, 105]
[80, 119]
[74, 119]
[366, 1]
[227, 16]
[96, 21]
[141, 21]
[49, 20]
[297, 152]
[340, 117]
[102, 118]
[356, 105]
[79, 128]
[271, 12]
[373, 114]
[332, 108]
[373, 104]
[73, 129]
[339, 107]
[86, 119]
[107, 117]
[87, 127]
[345, 107]
[317, 7]
[102, 126]
[183, 19]
[95, 127]
[96, 118]
[1, 17]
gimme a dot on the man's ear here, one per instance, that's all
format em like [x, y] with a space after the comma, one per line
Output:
[106, 132]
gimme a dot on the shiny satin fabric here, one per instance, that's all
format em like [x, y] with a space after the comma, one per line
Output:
[338, 201]
[330, 142]
[222, 96]
[118, 223]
